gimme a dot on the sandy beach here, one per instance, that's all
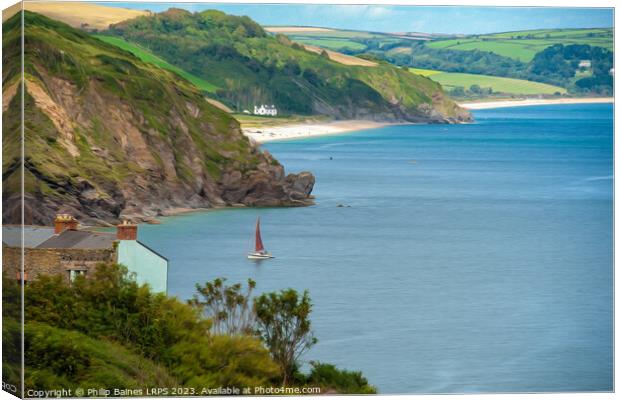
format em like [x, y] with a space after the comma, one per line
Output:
[302, 130]
[298, 130]
[532, 102]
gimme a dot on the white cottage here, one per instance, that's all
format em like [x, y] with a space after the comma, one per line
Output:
[585, 64]
[266, 110]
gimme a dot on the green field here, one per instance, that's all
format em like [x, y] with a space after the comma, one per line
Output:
[332, 33]
[257, 121]
[330, 44]
[523, 45]
[151, 58]
[504, 85]
[335, 39]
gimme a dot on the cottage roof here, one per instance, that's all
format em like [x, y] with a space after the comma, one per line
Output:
[33, 235]
[71, 239]
[152, 251]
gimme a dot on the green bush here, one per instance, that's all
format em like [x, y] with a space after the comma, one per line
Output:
[327, 376]
[110, 306]
[58, 358]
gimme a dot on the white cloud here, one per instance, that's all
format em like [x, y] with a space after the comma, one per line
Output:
[378, 12]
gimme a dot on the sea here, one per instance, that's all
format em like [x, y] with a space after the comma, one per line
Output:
[471, 258]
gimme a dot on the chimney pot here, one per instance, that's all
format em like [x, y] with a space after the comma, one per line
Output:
[126, 231]
[64, 222]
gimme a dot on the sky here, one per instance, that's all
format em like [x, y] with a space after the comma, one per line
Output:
[385, 18]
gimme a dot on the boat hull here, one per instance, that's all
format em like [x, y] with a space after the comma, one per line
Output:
[259, 256]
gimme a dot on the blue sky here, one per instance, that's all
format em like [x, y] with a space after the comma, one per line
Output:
[384, 18]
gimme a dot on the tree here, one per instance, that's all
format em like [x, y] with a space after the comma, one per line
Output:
[457, 91]
[226, 306]
[284, 326]
[475, 89]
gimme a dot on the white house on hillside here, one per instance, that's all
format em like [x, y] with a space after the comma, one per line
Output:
[585, 64]
[266, 110]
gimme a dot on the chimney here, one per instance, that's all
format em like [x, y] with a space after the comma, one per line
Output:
[64, 222]
[126, 231]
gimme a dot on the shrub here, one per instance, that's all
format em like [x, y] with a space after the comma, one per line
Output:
[327, 376]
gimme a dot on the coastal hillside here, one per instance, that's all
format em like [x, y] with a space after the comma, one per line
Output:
[249, 67]
[108, 136]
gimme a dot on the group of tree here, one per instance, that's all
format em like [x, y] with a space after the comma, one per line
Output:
[474, 91]
[472, 61]
[557, 64]
[280, 319]
[108, 332]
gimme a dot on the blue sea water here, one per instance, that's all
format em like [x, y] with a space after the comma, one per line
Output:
[472, 258]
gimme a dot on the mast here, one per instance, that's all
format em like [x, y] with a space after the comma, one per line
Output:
[259, 241]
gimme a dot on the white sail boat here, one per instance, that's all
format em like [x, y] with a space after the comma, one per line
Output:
[259, 252]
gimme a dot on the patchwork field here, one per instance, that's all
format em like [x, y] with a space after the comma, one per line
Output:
[523, 45]
[498, 84]
[341, 58]
[339, 40]
[84, 15]
[309, 32]
[296, 29]
[332, 44]
[149, 57]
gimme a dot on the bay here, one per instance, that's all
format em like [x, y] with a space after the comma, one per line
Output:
[440, 258]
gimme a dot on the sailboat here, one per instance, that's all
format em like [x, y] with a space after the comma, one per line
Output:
[259, 252]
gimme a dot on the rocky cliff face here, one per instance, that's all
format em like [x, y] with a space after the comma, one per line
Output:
[108, 137]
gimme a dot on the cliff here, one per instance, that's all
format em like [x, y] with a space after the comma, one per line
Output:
[108, 136]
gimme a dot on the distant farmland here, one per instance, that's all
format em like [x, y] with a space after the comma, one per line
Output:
[338, 39]
[504, 85]
[322, 32]
[523, 45]
[332, 44]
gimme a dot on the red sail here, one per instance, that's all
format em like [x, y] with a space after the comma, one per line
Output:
[259, 240]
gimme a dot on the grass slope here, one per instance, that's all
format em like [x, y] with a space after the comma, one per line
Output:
[498, 84]
[149, 57]
[523, 45]
[64, 358]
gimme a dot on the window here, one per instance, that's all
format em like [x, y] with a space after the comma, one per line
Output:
[74, 273]
[19, 277]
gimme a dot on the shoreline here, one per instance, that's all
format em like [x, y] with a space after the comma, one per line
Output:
[305, 130]
[312, 128]
[484, 105]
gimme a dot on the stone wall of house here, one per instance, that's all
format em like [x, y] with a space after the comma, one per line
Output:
[39, 262]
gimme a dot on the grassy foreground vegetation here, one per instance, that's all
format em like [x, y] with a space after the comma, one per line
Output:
[451, 81]
[108, 332]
